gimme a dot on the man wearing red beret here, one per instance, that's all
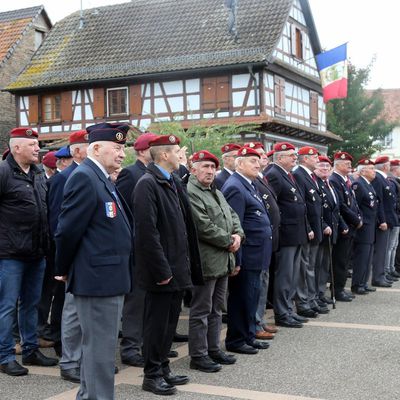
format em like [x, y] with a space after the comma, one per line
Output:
[167, 259]
[220, 235]
[395, 177]
[388, 220]
[23, 245]
[229, 152]
[352, 221]
[49, 161]
[294, 232]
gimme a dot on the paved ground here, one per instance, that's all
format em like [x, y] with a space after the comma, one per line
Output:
[351, 353]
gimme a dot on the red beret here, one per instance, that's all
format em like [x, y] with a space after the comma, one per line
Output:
[164, 140]
[270, 153]
[142, 142]
[5, 154]
[247, 152]
[283, 146]
[394, 163]
[307, 151]
[254, 145]
[365, 161]
[27, 133]
[79, 137]
[324, 159]
[342, 155]
[382, 160]
[49, 159]
[204, 155]
[226, 148]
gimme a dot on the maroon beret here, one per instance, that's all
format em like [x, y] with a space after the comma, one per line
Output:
[27, 133]
[342, 155]
[142, 142]
[79, 137]
[324, 159]
[247, 152]
[307, 151]
[254, 145]
[382, 160]
[394, 163]
[164, 140]
[270, 153]
[226, 148]
[365, 161]
[204, 155]
[49, 160]
[283, 146]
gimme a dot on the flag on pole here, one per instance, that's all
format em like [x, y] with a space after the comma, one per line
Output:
[332, 66]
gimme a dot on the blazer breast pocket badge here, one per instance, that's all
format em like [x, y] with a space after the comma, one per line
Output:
[111, 209]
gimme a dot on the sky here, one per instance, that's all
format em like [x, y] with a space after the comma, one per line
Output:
[371, 29]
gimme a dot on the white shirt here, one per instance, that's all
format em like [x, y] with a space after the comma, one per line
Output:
[100, 166]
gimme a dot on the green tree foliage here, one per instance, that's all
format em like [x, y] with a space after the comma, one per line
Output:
[358, 119]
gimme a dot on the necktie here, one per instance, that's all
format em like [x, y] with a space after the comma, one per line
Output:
[291, 177]
[348, 183]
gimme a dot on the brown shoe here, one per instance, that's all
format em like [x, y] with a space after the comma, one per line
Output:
[18, 349]
[262, 335]
[270, 329]
[45, 344]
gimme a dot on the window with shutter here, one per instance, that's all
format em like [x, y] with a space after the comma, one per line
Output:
[296, 39]
[314, 108]
[279, 95]
[51, 108]
[215, 94]
[117, 101]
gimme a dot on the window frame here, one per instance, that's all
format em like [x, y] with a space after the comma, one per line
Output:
[53, 105]
[108, 101]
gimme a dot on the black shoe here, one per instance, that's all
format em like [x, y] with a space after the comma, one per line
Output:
[370, 289]
[259, 345]
[158, 386]
[390, 279]
[381, 284]
[316, 308]
[323, 309]
[244, 349]
[358, 290]
[71, 374]
[12, 368]
[58, 349]
[175, 380]
[321, 303]
[222, 358]
[135, 361]
[351, 295]
[204, 364]
[307, 313]
[342, 296]
[289, 323]
[37, 358]
[172, 354]
[299, 318]
[327, 300]
[116, 370]
[395, 274]
[224, 318]
[180, 338]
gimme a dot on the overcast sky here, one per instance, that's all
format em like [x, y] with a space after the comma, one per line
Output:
[370, 27]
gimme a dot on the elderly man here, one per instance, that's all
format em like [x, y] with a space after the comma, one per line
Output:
[93, 253]
[395, 177]
[294, 232]
[167, 259]
[229, 152]
[364, 239]
[352, 221]
[253, 257]
[220, 235]
[49, 164]
[23, 245]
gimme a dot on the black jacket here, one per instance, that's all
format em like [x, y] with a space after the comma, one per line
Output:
[166, 241]
[23, 212]
[128, 178]
[221, 178]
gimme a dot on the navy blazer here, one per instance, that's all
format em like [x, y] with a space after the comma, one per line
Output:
[255, 252]
[55, 195]
[368, 205]
[386, 193]
[347, 203]
[94, 235]
[128, 178]
[221, 178]
[294, 225]
[313, 198]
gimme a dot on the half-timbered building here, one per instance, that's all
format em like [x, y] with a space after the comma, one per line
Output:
[209, 61]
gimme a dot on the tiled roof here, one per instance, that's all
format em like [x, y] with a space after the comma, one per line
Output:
[12, 25]
[154, 36]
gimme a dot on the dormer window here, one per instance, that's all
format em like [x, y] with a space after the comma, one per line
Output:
[297, 46]
[39, 36]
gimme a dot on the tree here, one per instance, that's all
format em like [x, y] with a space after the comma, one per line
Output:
[359, 118]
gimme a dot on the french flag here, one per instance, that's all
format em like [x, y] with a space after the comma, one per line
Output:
[332, 66]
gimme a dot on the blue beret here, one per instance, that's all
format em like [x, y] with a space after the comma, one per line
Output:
[108, 132]
[63, 152]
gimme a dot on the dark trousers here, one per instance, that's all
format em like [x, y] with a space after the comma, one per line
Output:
[397, 258]
[340, 259]
[362, 261]
[244, 292]
[380, 254]
[161, 314]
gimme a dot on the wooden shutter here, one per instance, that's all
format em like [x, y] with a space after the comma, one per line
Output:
[222, 98]
[313, 108]
[66, 106]
[209, 94]
[98, 103]
[279, 95]
[293, 39]
[135, 99]
[33, 109]
[299, 44]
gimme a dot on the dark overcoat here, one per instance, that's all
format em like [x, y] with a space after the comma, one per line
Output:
[221, 178]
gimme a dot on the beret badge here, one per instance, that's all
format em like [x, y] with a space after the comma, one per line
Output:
[172, 139]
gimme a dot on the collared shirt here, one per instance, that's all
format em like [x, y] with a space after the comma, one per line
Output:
[309, 172]
[103, 170]
[229, 171]
[366, 180]
[343, 177]
[164, 171]
[247, 179]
